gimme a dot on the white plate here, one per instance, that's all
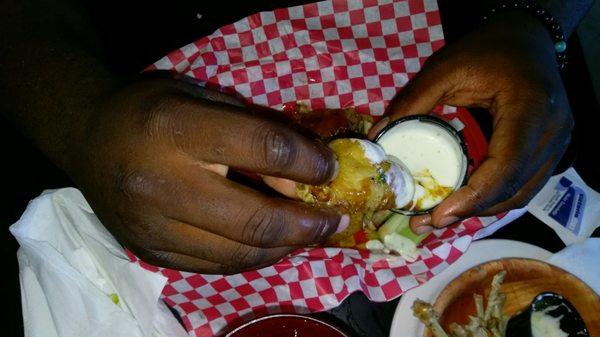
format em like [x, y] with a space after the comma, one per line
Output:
[406, 325]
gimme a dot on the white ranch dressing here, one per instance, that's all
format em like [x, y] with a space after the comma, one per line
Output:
[544, 325]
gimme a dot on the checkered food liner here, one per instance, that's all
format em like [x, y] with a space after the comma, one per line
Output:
[330, 54]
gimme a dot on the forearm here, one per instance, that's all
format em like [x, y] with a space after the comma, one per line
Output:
[52, 72]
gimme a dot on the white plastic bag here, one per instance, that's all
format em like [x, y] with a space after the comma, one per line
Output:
[76, 279]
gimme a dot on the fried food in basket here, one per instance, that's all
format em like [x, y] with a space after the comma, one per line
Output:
[367, 180]
[367, 186]
[330, 123]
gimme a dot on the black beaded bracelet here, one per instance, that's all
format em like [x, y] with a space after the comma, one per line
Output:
[540, 13]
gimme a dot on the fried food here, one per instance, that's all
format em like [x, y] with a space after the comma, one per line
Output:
[367, 180]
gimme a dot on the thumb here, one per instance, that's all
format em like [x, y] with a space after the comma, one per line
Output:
[426, 90]
[284, 186]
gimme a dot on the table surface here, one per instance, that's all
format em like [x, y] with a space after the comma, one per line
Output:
[29, 173]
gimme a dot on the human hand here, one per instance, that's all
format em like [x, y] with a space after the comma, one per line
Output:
[507, 66]
[153, 168]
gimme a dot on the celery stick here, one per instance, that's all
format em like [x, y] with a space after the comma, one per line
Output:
[409, 234]
[399, 223]
[392, 225]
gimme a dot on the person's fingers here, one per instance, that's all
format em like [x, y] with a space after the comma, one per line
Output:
[182, 238]
[181, 262]
[375, 129]
[505, 171]
[284, 186]
[423, 92]
[421, 224]
[511, 176]
[538, 165]
[482, 191]
[218, 205]
[518, 200]
[219, 133]
[530, 189]
[555, 144]
[420, 95]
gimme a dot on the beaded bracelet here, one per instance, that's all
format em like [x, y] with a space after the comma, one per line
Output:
[540, 13]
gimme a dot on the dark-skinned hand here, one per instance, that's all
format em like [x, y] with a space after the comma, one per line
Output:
[507, 66]
[153, 166]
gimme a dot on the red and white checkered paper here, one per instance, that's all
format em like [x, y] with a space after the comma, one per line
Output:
[329, 54]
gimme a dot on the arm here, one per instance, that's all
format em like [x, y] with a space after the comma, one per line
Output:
[507, 66]
[151, 156]
[51, 72]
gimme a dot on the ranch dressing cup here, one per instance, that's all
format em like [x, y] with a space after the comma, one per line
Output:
[435, 154]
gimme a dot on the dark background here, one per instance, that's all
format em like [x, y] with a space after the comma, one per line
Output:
[26, 172]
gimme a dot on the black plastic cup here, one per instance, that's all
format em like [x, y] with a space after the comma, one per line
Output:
[571, 322]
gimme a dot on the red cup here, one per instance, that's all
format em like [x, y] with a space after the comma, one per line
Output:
[286, 325]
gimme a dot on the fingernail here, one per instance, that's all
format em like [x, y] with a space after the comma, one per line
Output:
[420, 220]
[447, 221]
[379, 126]
[423, 229]
[344, 222]
[336, 169]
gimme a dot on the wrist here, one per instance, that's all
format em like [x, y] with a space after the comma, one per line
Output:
[544, 17]
[518, 29]
[82, 123]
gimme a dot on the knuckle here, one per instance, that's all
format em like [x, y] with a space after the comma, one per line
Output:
[264, 227]
[135, 227]
[155, 257]
[134, 183]
[245, 257]
[276, 146]
[167, 117]
[156, 113]
[477, 199]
